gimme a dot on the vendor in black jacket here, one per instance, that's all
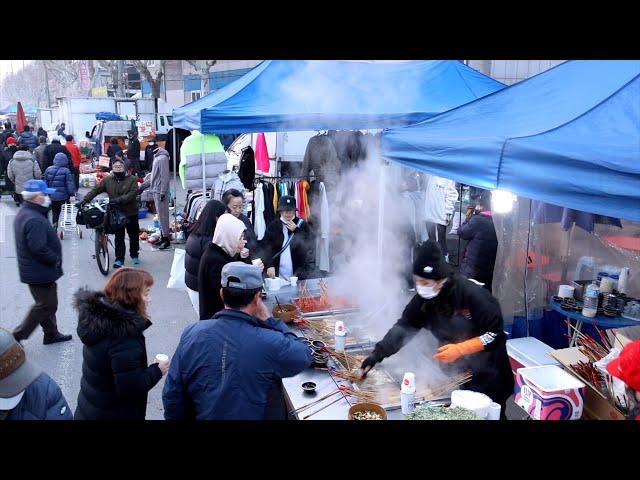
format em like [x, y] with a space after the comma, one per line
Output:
[464, 318]
[297, 258]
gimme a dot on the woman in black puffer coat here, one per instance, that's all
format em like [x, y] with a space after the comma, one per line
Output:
[200, 236]
[115, 374]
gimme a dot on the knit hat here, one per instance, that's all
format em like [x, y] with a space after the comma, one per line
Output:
[16, 371]
[430, 263]
[286, 202]
[11, 140]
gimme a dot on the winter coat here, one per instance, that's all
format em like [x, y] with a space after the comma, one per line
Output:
[28, 139]
[321, 158]
[302, 252]
[247, 169]
[23, 167]
[228, 367]
[160, 175]
[50, 153]
[210, 279]
[38, 154]
[115, 374]
[42, 400]
[38, 247]
[75, 154]
[480, 253]
[124, 191]
[60, 177]
[113, 149]
[440, 199]
[195, 247]
[462, 310]
[133, 149]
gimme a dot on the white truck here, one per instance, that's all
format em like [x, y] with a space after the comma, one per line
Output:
[79, 113]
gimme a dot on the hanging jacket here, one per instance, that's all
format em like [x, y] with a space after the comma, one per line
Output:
[227, 368]
[480, 255]
[301, 246]
[124, 191]
[23, 167]
[191, 161]
[247, 170]
[321, 158]
[322, 241]
[462, 310]
[260, 225]
[227, 181]
[440, 199]
[60, 177]
[42, 400]
[115, 374]
[38, 247]
[28, 139]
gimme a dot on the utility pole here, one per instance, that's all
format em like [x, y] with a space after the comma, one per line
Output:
[119, 86]
[46, 82]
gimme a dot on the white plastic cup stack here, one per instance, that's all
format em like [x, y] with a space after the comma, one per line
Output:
[340, 336]
[566, 291]
[408, 392]
[494, 411]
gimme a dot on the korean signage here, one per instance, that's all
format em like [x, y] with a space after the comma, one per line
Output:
[85, 81]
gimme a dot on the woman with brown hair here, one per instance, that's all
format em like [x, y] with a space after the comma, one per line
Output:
[115, 373]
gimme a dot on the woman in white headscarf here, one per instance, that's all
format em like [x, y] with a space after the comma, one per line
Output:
[228, 245]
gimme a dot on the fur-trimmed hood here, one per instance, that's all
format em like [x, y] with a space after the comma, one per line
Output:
[98, 318]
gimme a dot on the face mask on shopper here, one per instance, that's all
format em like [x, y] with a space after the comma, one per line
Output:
[427, 292]
[46, 203]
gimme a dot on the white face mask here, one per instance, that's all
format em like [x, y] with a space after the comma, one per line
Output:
[427, 292]
[47, 201]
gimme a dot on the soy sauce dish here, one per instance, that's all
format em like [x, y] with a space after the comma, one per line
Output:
[309, 387]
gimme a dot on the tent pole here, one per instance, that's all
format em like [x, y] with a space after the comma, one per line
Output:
[175, 179]
[204, 167]
[381, 204]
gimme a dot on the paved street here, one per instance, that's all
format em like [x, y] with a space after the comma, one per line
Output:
[170, 311]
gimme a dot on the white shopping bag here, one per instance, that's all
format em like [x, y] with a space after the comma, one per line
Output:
[176, 280]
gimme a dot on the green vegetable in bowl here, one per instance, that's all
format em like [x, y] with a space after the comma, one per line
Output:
[428, 412]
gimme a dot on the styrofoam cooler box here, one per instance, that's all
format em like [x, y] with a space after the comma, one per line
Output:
[529, 352]
[549, 393]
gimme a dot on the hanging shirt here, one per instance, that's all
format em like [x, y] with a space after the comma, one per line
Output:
[305, 200]
[259, 226]
[286, 263]
[276, 196]
[298, 202]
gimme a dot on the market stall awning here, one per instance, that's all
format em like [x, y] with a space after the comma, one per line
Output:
[292, 95]
[569, 136]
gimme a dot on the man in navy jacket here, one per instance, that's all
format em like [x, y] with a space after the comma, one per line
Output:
[26, 392]
[230, 367]
[39, 256]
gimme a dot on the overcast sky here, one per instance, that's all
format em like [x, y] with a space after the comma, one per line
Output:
[6, 65]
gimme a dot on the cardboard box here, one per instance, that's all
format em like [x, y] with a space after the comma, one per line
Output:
[549, 393]
[596, 406]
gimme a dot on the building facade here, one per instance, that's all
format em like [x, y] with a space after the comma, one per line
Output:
[512, 71]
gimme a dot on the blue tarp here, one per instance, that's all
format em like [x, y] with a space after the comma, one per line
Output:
[291, 95]
[569, 136]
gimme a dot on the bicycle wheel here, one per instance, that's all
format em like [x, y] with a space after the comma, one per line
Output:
[102, 252]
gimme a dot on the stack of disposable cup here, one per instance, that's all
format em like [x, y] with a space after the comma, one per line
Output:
[340, 335]
[565, 291]
[408, 392]
[494, 411]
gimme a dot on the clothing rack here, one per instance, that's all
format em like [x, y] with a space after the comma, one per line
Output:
[303, 177]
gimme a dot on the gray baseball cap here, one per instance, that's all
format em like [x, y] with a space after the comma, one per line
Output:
[16, 372]
[241, 275]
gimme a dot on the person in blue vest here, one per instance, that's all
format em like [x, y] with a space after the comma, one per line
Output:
[230, 367]
[26, 392]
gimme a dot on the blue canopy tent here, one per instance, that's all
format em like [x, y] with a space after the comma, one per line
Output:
[295, 95]
[569, 136]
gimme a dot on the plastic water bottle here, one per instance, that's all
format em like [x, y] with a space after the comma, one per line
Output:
[339, 336]
[590, 304]
[624, 278]
[408, 392]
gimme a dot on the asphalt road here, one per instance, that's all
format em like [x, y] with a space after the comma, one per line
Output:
[170, 310]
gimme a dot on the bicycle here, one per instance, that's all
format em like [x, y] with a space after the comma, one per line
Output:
[95, 215]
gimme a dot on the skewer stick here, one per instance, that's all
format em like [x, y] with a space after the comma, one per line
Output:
[322, 408]
[315, 402]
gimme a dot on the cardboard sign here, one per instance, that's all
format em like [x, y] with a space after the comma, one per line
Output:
[145, 128]
[104, 161]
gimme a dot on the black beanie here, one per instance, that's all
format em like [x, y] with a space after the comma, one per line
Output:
[430, 263]
[286, 202]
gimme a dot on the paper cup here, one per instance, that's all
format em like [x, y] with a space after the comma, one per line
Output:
[162, 358]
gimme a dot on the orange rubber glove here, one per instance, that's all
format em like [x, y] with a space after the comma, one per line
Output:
[453, 351]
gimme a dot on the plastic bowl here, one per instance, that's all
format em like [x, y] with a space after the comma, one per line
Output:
[367, 406]
[142, 213]
[309, 387]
